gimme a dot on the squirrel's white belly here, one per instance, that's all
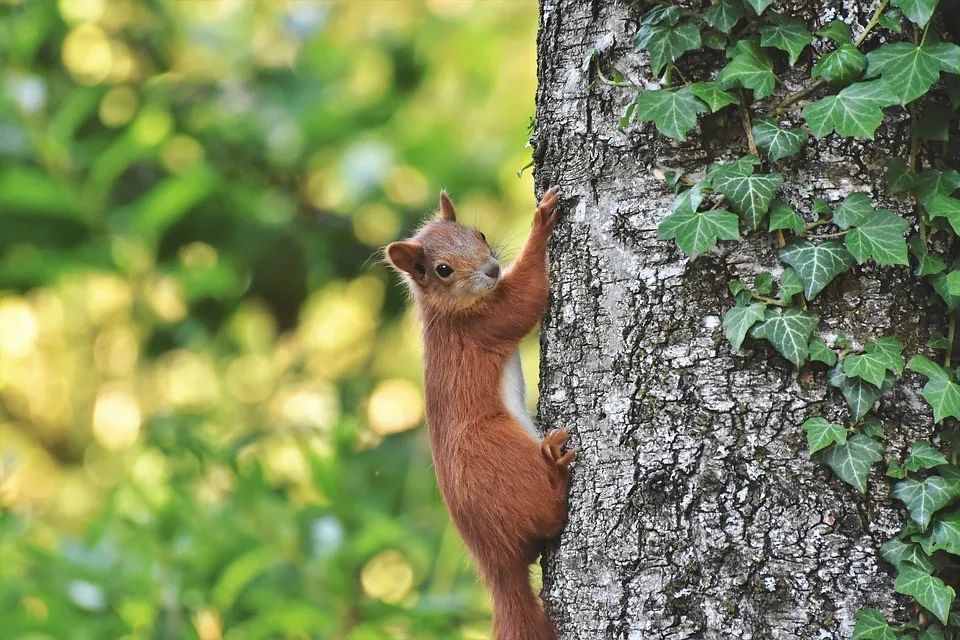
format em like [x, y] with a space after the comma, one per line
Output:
[513, 394]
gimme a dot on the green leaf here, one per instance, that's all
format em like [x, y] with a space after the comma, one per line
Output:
[939, 283]
[759, 6]
[945, 535]
[749, 194]
[724, 15]
[713, 95]
[749, 68]
[871, 625]
[947, 54]
[872, 365]
[838, 31]
[698, 231]
[787, 35]
[782, 216]
[816, 264]
[845, 64]
[852, 460]
[931, 183]
[790, 285]
[820, 352]
[738, 321]
[931, 633]
[896, 470]
[929, 591]
[941, 206]
[898, 553]
[874, 428]
[933, 123]
[778, 143]
[855, 209]
[909, 70]
[821, 434]
[673, 112]
[953, 283]
[880, 238]
[941, 391]
[788, 331]
[891, 21]
[923, 455]
[860, 396]
[764, 283]
[938, 342]
[856, 111]
[918, 11]
[899, 177]
[667, 42]
[923, 497]
[927, 263]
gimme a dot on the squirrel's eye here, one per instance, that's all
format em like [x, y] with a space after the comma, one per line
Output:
[483, 237]
[444, 270]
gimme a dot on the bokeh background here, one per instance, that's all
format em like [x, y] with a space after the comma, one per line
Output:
[210, 404]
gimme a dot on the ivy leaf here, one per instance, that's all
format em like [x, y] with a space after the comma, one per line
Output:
[930, 592]
[790, 285]
[881, 238]
[896, 470]
[749, 68]
[947, 53]
[931, 183]
[899, 178]
[816, 264]
[698, 231]
[871, 625]
[749, 194]
[724, 15]
[860, 396]
[855, 209]
[673, 112]
[778, 143]
[821, 434]
[688, 200]
[873, 364]
[838, 31]
[941, 206]
[919, 11]
[820, 352]
[738, 320]
[927, 263]
[713, 95]
[787, 35]
[923, 497]
[856, 111]
[953, 283]
[891, 21]
[852, 460]
[788, 331]
[764, 283]
[931, 633]
[759, 6]
[782, 216]
[909, 70]
[897, 553]
[666, 42]
[938, 342]
[939, 283]
[923, 455]
[844, 64]
[945, 535]
[941, 391]
[891, 351]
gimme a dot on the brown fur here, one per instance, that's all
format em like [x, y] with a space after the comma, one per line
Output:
[505, 491]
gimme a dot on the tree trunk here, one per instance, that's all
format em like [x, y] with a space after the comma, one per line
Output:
[695, 511]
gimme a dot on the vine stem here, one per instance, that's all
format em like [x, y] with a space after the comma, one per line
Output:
[803, 93]
[951, 338]
[766, 299]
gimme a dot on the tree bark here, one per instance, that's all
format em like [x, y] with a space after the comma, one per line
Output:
[695, 511]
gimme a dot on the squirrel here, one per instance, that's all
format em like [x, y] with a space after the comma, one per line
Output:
[504, 487]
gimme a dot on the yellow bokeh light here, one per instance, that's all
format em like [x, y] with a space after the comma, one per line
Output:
[180, 153]
[309, 406]
[371, 75]
[81, 10]
[324, 190]
[165, 297]
[115, 351]
[116, 418]
[407, 186]
[387, 577]
[284, 462]
[123, 67]
[187, 379]
[106, 296]
[198, 255]
[35, 607]
[18, 328]
[395, 405]
[151, 127]
[375, 225]
[118, 106]
[250, 378]
[208, 624]
[87, 54]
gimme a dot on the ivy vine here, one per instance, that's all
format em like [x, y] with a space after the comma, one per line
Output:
[916, 71]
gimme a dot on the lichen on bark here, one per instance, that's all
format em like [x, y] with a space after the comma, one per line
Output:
[695, 511]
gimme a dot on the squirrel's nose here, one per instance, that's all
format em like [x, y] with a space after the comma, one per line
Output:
[493, 270]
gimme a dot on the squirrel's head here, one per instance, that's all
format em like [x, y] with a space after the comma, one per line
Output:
[449, 266]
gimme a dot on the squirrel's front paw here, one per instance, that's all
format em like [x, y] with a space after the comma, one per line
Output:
[552, 448]
[547, 212]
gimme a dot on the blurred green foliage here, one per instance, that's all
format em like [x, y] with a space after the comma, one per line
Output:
[210, 402]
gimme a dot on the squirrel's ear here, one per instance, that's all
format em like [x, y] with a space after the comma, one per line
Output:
[447, 212]
[408, 256]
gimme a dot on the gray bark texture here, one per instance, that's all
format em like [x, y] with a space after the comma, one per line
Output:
[695, 511]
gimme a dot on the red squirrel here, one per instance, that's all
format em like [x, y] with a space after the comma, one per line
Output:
[505, 488]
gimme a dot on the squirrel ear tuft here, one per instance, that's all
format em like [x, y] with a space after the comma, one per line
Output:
[407, 256]
[447, 212]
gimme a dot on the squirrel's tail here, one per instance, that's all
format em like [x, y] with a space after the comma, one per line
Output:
[517, 612]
